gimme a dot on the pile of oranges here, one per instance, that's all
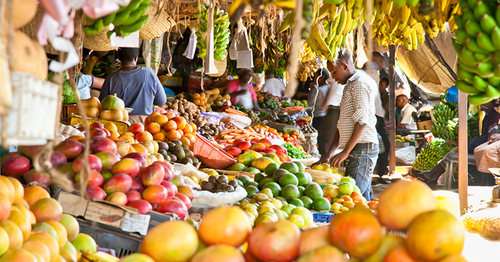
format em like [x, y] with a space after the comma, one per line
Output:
[168, 127]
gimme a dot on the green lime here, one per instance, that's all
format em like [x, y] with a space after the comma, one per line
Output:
[244, 178]
[270, 168]
[288, 179]
[258, 177]
[252, 170]
[275, 188]
[251, 191]
[321, 204]
[301, 190]
[290, 167]
[307, 201]
[252, 183]
[297, 202]
[290, 192]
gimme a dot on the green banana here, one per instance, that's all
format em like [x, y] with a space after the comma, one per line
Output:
[109, 19]
[90, 20]
[132, 18]
[461, 35]
[492, 92]
[497, 14]
[479, 83]
[121, 18]
[472, 45]
[479, 99]
[488, 23]
[90, 30]
[133, 5]
[480, 10]
[99, 25]
[484, 42]
[494, 81]
[137, 26]
[466, 87]
[286, 22]
[485, 70]
[472, 28]
[495, 37]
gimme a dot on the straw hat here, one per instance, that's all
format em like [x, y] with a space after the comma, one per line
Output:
[158, 23]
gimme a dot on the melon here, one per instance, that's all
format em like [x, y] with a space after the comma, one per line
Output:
[25, 52]
[112, 102]
[23, 12]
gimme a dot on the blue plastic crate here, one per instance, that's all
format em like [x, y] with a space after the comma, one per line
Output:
[322, 217]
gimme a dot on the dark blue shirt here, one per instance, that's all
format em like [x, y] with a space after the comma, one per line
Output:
[139, 88]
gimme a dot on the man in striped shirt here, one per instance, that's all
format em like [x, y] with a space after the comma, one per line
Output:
[356, 132]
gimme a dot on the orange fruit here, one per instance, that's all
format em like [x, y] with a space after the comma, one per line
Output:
[193, 126]
[161, 119]
[170, 125]
[191, 138]
[180, 132]
[140, 149]
[181, 122]
[398, 254]
[173, 135]
[143, 136]
[169, 115]
[34, 193]
[151, 118]
[187, 129]
[153, 128]
[160, 136]
[185, 141]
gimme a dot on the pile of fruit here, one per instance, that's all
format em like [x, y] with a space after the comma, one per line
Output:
[185, 108]
[446, 120]
[230, 135]
[401, 139]
[220, 30]
[268, 101]
[128, 19]
[431, 155]
[308, 129]
[431, 234]
[219, 184]
[308, 64]
[206, 128]
[295, 152]
[325, 167]
[34, 228]
[165, 128]
[257, 159]
[111, 108]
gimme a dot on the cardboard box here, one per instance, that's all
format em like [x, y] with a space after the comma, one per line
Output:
[111, 215]
[425, 125]
[120, 125]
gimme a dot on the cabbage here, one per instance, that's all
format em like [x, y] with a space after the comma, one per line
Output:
[68, 94]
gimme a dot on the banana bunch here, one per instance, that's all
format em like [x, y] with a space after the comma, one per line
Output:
[308, 64]
[221, 32]
[477, 43]
[434, 15]
[430, 155]
[445, 121]
[97, 257]
[310, 11]
[394, 25]
[472, 126]
[126, 20]
[276, 56]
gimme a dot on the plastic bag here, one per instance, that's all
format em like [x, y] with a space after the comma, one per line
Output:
[211, 117]
[209, 199]
[233, 48]
[191, 48]
[189, 170]
[406, 155]
[239, 121]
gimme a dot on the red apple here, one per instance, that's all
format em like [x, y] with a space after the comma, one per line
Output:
[245, 145]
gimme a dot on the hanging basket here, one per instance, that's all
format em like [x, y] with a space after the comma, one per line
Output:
[32, 27]
[221, 67]
[98, 42]
[158, 23]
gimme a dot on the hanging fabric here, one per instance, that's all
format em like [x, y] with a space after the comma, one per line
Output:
[191, 48]
[245, 55]
[210, 67]
[151, 51]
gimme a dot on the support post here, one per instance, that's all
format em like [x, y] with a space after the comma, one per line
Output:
[463, 179]
[392, 109]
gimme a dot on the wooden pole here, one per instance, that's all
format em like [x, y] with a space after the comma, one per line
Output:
[463, 179]
[392, 109]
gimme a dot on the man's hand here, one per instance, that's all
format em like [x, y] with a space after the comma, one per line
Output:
[494, 138]
[338, 159]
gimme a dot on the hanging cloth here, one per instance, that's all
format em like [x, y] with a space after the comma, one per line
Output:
[210, 67]
[152, 50]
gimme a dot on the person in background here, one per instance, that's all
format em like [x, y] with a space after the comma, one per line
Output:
[384, 95]
[273, 85]
[491, 118]
[137, 86]
[356, 134]
[487, 155]
[84, 83]
[406, 123]
[241, 92]
[316, 100]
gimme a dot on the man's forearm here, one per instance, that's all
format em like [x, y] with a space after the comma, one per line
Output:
[402, 125]
[333, 145]
[356, 135]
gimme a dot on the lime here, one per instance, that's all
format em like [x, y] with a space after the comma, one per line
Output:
[258, 177]
[280, 198]
[270, 168]
[288, 208]
[290, 192]
[278, 173]
[313, 191]
[236, 167]
[251, 191]
[297, 220]
[346, 188]
[288, 179]
[252, 183]
[301, 190]
[244, 178]
[274, 187]
[348, 179]
[239, 183]
[303, 178]
[265, 181]
[300, 166]
[321, 204]
[297, 202]
[304, 213]
[307, 201]
[290, 167]
[252, 170]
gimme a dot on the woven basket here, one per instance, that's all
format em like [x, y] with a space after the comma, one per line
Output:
[158, 23]
[221, 67]
[98, 42]
[32, 27]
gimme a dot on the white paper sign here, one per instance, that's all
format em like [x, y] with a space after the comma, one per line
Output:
[129, 41]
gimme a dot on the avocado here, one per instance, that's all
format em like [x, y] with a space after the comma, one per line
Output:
[179, 154]
[187, 160]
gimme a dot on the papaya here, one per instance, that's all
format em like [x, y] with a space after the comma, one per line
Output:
[112, 102]
[273, 157]
[261, 163]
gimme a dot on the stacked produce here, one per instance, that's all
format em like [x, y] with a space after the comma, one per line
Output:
[432, 234]
[268, 101]
[446, 120]
[308, 129]
[91, 107]
[34, 228]
[400, 138]
[230, 135]
[472, 126]
[255, 156]
[218, 184]
[185, 108]
[128, 19]
[165, 128]
[206, 128]
[325, 167]
[431, 155]
[308, 64]
[113, 108]
[477, 42]
[220, 29]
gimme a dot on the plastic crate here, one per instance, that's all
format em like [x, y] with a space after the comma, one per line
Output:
[123, 244]
[210, 155]
[322, 217]
[66, 111]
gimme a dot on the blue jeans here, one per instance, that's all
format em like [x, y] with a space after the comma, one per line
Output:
[360, 167]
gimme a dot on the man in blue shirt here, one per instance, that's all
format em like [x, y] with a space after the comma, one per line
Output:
[137, 86]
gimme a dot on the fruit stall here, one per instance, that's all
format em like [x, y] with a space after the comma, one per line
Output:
[201, 179]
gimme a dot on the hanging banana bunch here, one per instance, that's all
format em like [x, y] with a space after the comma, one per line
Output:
[308, 64]
[477, 43]
[127, 20]
[221, 32]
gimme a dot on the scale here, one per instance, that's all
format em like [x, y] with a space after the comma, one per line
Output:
[495, 193]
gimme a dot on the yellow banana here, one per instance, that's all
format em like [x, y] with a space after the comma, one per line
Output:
[387, 7]
[406, 31]
[324, 10]
[358, 6]
[395, 22]
[414, 40]
[405, 12]
[350, 4]
[316, 33]
[343, 21]
[348, 22]
[443, 4]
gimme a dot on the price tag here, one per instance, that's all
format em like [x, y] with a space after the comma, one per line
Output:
[136, 223]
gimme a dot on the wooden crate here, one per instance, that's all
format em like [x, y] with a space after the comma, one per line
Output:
[66, 111]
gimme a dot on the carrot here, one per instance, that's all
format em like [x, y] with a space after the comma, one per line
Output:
[225, 132]
[241, 136]
[228, 137]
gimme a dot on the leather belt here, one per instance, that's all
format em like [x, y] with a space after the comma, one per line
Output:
[333, 107]
[364, 146]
